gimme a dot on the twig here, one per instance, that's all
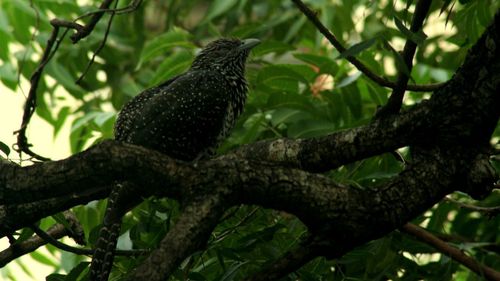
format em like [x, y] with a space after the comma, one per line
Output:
[96, 16]
[358, 64]
[29, 107]
[81, 251]
[396, 99]
[67, 24]
[29, 245]
[32, 39]
[427, 237]
[231, 229]
[89, 27]
[489, 211]
[98, 50]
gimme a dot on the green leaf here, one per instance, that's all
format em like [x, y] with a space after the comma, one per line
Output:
[61, 117]
[26, 233]
[5, 38]
[173, 65]
[4, 148]
[21, 17]
[217, 8]
[41, 258]
[294, 29]
[102, 118]
[163, 43]
[56, 277]
[59, 217]
[357, 48]
[232, 271]
[325, 64]
[417, 38]
[348, 80]
[273, 72]
[252, 126]
[282, 77]
[59, 6]
[8, 75]
[61, 74]
[77, 271]
[484, 13]
[310, 128]
[285, 115]
[268, 46]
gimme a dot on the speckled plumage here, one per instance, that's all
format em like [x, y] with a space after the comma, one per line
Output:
[192, 113]
[185, 117]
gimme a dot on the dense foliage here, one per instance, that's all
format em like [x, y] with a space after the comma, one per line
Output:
[300, 87]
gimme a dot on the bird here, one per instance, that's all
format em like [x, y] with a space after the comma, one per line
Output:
[185, 117]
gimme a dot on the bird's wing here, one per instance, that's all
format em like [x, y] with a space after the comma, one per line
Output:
[132, 110]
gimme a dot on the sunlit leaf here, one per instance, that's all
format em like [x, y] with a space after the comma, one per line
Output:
[61, 74]
[4, 148]
[357, 48]
[8, 75]
[42, 258]
[61, 118]
[77, 271]
[417, 38]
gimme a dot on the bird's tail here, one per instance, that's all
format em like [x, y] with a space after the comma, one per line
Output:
[119, 203]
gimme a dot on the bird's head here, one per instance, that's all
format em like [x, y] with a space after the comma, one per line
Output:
[223, 53]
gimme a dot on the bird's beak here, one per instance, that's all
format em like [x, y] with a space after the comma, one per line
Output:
[249, 43]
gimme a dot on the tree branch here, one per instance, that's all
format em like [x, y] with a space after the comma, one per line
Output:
[81, 32]
[42, 238]
[190, 233]
[87, 29]
[454, 253]
[396, 99]
[358, 64]
[31, 244]
[30, 106]
[101, 46]
[488, 211]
